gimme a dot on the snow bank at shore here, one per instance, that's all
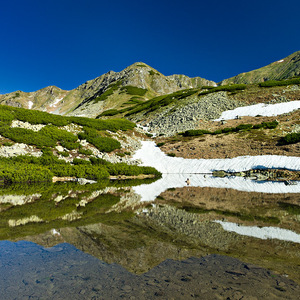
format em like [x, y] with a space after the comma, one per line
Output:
[176, 170]
[260, 109]
[150, 155]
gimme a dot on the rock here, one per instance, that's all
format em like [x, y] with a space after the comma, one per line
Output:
[174, 119]
[83, 181]
[59, 148]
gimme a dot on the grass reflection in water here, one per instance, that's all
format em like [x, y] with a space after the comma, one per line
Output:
[33, 209]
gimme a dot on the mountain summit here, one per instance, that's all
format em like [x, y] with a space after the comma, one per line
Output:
[107, 91]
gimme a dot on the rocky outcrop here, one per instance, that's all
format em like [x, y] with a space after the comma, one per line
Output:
[176, 119]
[46, 99]
[26, 125]
[19, 149]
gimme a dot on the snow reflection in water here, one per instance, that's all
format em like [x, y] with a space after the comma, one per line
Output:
[149, 192]
[261, 232]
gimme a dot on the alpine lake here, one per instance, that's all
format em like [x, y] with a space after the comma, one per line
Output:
[148, 239]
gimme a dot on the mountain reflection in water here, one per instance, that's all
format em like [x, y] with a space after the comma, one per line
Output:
[63, 272]
[109, 221]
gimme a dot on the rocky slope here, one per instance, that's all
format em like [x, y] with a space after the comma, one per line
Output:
[282, 69]
[108, 91]
[46, 99]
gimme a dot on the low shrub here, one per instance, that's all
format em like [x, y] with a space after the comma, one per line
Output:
[109, 112]
[291, 138]
[196, 132]
[271, 83]
[79, 161]
[98, 161]
[111, 124]
[85, 151]
[63, 153]
[160, 101]
[130, 170]
[133, 90]
[103, 144]
[227, 88]
[171, 154]
[160, 144]
[244, 127]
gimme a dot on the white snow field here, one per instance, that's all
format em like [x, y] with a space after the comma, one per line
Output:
[150, 155]
[261, 232]
[176, 170]
[260, 109]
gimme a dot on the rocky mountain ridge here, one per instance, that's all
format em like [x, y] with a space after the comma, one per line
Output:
[117, 93]
[104, 92]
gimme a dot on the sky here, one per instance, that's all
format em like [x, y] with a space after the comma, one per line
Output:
[67, 42]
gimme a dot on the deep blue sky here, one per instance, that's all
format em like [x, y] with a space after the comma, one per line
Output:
[67, 42]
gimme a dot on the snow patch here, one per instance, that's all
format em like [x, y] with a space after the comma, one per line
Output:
[176, 170]
[282, 60]
[262, 232]
[55, 232]
[30, 104]
[150, 155]
[56, 101]
[260, 109]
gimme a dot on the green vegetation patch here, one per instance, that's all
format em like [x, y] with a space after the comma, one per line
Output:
[109, 91]
[291, 138]
[38, 169]
[241, 216]
[271, 83]
[241, 127]
[151, 72]
[130, 170]
[227, 88]
[103, 144]
[133, 90]
[292, 209]
[48, 136]
[111, 124]
[109, 113]
[160, 101]
[8, 113]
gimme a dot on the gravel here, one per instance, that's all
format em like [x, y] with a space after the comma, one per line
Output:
[181, 118]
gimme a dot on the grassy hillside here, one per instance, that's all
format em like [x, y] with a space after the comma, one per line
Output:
[283, 69]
